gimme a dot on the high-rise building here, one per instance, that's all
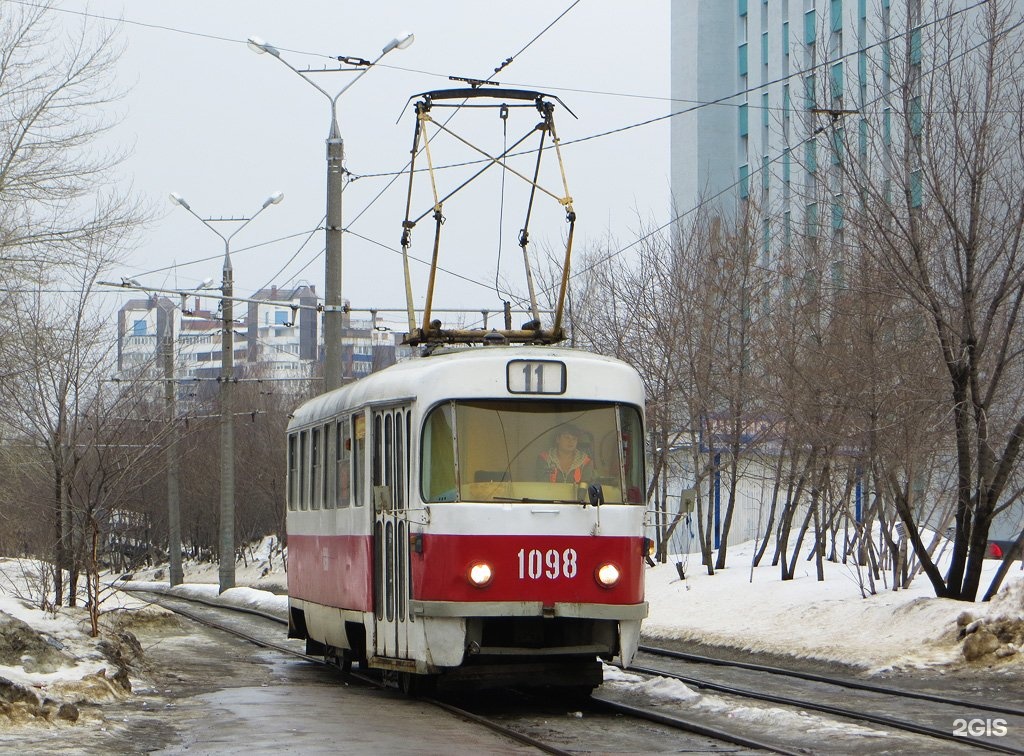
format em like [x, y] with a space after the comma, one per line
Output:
[778, 89]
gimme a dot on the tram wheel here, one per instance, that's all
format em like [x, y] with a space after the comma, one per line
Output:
[344, 661]
[340, 658]
[417, 686]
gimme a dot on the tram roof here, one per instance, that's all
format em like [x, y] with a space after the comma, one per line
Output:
[443, 375]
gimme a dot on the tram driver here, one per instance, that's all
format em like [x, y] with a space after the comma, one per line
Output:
[565, 461]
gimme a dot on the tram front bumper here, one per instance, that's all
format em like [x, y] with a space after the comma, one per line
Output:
[527, 609]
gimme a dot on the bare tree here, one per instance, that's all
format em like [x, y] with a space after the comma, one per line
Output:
[939, 209]
[61, 222]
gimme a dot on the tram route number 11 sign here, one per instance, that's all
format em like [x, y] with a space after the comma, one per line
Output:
[536, 377]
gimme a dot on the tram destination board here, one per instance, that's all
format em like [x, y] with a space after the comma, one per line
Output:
[536, 377]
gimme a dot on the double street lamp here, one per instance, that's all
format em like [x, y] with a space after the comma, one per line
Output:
[335, 154]
[227, 362]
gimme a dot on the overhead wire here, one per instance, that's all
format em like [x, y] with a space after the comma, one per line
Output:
[810, 137]
[760, 168]
[696, 105]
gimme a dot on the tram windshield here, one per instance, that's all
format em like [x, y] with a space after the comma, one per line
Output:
[527, 451]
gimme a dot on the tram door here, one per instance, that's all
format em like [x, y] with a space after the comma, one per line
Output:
[390, 466]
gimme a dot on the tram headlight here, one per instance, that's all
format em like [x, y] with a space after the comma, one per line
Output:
[607, 575]
[480, 574]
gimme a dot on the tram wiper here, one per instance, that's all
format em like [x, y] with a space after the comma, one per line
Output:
[526, 500]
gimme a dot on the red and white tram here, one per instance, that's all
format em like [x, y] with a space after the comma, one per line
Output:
[424, 537]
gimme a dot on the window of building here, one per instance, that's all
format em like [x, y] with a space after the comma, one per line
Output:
[837, 15]
[785, 38]
[742, 7]
[838, 145]
[838, 276]
[916, 188]
[744, 181]
[764, 48]
[916, 116]
[809, 97]
[743, 120]
[837, 214]
[742, 59]
[139, 328]
[811, 156]
[766, 174]
[764, 110]
[810, 27]
[837, 80]
[811, 218]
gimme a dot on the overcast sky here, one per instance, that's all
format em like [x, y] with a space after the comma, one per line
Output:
[224, 127]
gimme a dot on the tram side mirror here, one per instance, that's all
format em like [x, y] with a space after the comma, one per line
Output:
[596, 494]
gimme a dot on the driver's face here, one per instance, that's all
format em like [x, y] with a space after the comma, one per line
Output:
[567, 440]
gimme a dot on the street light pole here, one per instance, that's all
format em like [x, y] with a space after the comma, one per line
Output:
[227, 363]
[333, 310]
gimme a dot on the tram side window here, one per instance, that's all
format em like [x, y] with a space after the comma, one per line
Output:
[632, 439]
[358, 456]
[293, 471]
[438, 460]
[399, 460]
[342, 448]
[330, 493]
[303, 466]
[315, 460]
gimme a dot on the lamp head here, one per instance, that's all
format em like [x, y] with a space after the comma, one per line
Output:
[259, 46]
[177, 199]
[274, 199]
[402, 41]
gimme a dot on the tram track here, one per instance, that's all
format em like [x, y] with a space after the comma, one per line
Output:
[601, 706]
[875, 695]
[595, 707]
[172, 603]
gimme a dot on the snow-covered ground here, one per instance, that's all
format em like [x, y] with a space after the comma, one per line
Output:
[825, 620]
[738, 608]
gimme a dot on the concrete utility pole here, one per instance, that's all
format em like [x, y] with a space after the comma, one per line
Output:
[227, 363]
[177, 575]
[333, 310]
[226, 571]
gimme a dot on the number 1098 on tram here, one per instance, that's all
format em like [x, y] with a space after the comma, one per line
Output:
[472, 519]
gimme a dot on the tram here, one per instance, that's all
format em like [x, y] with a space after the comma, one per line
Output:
[435, 531]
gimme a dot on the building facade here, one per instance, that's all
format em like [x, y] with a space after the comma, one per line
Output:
[278, 335]
[774, 92]
[772, 96]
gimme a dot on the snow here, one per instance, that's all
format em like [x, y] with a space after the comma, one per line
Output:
[828, 621]
[738, 608]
